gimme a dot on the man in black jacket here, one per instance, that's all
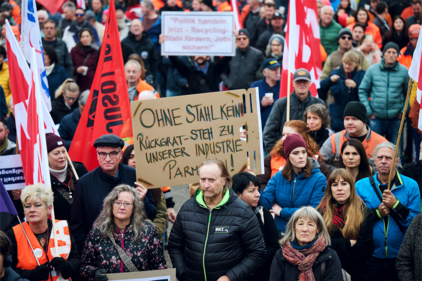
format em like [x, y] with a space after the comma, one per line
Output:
[216, 235]
[276, 27]
[59, 46]
[92, 188]
[143, 46]
[244, 65]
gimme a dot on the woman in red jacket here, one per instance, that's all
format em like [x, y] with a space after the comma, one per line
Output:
[84, 57]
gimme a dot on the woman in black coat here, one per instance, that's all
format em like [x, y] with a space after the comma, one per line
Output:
[247, 187]
[66, 100]
[398, 33]
[350, 224]
[63, 179]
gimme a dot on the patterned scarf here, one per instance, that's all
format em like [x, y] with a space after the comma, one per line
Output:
[305, 258]
[338, 218]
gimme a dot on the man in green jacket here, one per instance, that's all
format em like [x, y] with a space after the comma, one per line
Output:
[328, 29]
[385, 84]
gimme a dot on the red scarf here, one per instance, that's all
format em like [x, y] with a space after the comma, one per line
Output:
[305, 258]
[338, 218]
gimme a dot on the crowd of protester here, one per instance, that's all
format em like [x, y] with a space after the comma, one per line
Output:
[324, 207]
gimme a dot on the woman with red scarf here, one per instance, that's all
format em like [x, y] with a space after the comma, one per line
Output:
[350, 224]
[304, 254]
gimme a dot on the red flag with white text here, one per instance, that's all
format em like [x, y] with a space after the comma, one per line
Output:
[107, 110]
[301, 45]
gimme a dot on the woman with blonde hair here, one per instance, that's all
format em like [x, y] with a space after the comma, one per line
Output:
[38, 260]
[344, 85]
[66, 100]
[350, 224]
[300, 183]
[275, 161]
[122, 239]
[304, 253]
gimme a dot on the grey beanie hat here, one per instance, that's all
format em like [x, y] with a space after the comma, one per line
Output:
[277, 37]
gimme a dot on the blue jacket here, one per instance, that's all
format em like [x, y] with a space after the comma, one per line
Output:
[68, 127]
[334, 4]
[175, 81]
[291, 195]
[342, 94]
[407, 193]
[264, 88]
[55, 79]
[154, 32]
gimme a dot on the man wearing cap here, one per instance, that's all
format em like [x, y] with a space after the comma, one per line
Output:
[328, 29]
[406, 53]
[385, 83]
[300, 99]
[92, 188]
[269, 88]
[334, 60]
[276, 27]
[90, 17]
[355, 127]
[242, 68]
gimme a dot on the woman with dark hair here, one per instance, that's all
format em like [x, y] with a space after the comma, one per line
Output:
[84, 58]
[398, 33]
[362, 16]
[317, 119]
[344, 7]
[275, 161]
[350, 224]
[300, 183]
[353, 158]
[163, 211]
[246, 187]
[56, 74]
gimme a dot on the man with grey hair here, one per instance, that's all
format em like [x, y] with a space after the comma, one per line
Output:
[328, 29]
[70, 122]
[139, 40]
[269, 88]
[90, 17]
[69, 10]
[393, 210]
[42, 18]
[135, 84]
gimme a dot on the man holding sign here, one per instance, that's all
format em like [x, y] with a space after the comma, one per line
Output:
[216, 236]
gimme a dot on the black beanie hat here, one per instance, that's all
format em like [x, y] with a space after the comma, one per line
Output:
[53, 141]
[355, 109]
[209, 4]
[390, 45]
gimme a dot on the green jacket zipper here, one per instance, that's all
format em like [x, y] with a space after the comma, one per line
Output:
[205, 246]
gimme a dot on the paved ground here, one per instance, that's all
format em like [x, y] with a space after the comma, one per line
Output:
[180, 195]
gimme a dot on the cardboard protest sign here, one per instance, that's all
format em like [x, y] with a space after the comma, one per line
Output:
[197, 34]
[11, 172]
[154, 275]
[173, 136]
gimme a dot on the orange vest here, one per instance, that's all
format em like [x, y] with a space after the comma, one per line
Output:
[403, 59]
[144, 86]
[25, 256]
[339, 138]
[278, 164]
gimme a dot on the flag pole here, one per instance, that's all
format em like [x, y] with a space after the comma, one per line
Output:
[71, 165]
[288, 96]
[27, 239]
[409, 87]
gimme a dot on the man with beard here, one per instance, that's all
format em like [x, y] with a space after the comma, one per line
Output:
[7, 147]
[276, 27]
[357, 34]
[204, 75]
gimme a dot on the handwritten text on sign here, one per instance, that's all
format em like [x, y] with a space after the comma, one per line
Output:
[173, 136]
[209, 34]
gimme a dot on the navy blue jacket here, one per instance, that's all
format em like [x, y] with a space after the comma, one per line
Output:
[55, 79]
[90, 191]
[264, 88]
[68, 126]
[3, 104]
[342, 94]
[175, 81]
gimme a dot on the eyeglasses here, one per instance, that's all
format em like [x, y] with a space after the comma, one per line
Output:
[112, 154]
[69, 98]
[126, 205]
[80, 14]
[346, 38]
[241, 38]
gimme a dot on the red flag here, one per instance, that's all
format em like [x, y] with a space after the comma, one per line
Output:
[52, 6]
[302, 44]
[107, 110]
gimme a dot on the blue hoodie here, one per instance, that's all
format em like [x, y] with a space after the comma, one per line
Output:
[388, 240]
[294, 194]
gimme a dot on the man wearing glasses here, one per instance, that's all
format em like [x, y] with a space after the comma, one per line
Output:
[334, 60]
[92, 188]
[71, 33]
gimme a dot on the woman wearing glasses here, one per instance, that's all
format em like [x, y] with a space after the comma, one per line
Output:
[121, 239]
[66, 100]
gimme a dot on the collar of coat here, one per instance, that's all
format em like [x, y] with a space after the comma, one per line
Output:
[383, 67]
[368, 134]
[199, 197]
[294, 95]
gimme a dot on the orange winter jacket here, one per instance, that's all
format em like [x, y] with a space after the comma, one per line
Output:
[405, 57]
[371, 29]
